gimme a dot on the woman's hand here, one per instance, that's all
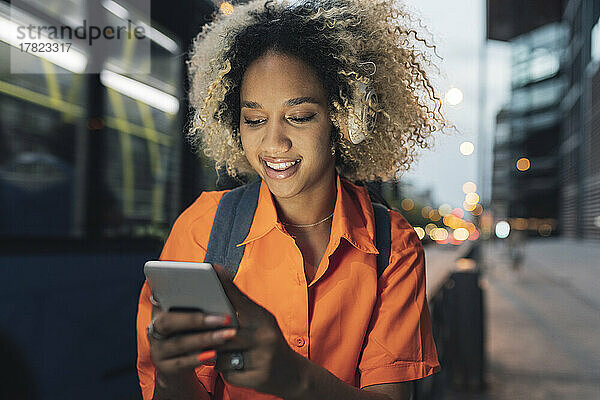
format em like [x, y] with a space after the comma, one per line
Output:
[181, 341]
[270, 365]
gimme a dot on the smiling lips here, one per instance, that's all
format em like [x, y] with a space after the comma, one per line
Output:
[280, 169]
[281, 166]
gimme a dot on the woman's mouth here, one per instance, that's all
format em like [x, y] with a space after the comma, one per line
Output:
[281, 169]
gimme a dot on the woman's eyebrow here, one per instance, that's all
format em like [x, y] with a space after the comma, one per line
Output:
[290, 103]
[251, 104]
[300, 100]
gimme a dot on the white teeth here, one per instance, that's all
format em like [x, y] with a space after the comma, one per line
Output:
[281, 166]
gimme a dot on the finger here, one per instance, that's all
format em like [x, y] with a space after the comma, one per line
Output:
[180, 345]
[189, 361]
[169, 323]
[242, 341]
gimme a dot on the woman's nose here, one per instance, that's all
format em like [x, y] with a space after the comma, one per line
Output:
[275, 140]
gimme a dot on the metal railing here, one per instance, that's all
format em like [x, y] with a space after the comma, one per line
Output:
[457, 307]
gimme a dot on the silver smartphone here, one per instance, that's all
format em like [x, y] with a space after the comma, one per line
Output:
[188, 286]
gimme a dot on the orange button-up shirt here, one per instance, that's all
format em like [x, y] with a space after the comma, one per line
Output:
[363, 330]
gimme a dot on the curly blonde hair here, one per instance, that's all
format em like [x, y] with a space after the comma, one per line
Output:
[354, 46]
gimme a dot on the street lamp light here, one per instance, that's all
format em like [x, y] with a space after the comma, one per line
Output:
[467, 148]
[454, 96]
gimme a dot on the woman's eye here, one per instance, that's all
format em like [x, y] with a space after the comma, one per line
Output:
[302, 119]
[253, 122]
[298, 120]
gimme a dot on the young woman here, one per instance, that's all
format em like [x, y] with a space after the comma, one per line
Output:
[310, 96]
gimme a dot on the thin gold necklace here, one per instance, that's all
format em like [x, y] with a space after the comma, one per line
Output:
[309, 225]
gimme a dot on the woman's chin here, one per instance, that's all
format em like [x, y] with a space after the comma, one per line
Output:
[282, 189]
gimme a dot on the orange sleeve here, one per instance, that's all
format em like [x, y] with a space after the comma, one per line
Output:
[399, 344]
[186, 242]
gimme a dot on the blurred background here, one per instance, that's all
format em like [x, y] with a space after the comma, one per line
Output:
[94, 169]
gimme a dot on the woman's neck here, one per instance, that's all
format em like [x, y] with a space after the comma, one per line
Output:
[309, 207]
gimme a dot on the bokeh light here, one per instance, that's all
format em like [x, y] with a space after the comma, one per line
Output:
[472, 198]
[502, 229]
[454, 96]
[407, 204]
[519, 224]
[434, 215]
[474, 235]
[544, 229]
[523, 164]
[466, 148]
[469, 206]
[478, 210]
[469, 187]
[425, 211]
[470, 227]
[445, 209]
[457, 212]
[532, 223]
[429, 227]
[420, 232]
[449, 220]
[453, 221]
[439, 234]
[461, 234]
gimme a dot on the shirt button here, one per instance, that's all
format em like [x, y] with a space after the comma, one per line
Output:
[299, 341]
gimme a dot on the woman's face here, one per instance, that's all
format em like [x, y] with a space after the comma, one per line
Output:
[285, 126]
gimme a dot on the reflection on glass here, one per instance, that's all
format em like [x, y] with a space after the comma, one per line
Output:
[43, 130]
[596, 42]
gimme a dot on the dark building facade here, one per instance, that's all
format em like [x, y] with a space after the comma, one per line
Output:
[591, 204]
[553, 119]
[91, 178]
[502, 166]
[525, 182]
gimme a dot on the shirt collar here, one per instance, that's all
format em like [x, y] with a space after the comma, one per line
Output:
[265, 216]
[353, 217]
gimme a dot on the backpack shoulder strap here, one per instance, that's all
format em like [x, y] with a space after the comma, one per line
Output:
[234, 217]
[231, 226]
[383, 236]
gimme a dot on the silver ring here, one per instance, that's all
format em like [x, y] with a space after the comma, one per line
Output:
[152, 332]
[154, 301]
[236, 361]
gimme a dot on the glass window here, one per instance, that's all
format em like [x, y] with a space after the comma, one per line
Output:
[543, 120]
[546, 93]
[70, 12]
[43, 135]
[139, 139]
[520, 51]
[543, 64]
[502, 133]
[40, 122]
[520, 100]
[548, 36]
[520, 74]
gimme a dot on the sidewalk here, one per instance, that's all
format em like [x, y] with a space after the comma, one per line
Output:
[574, 263]
[543, 322]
